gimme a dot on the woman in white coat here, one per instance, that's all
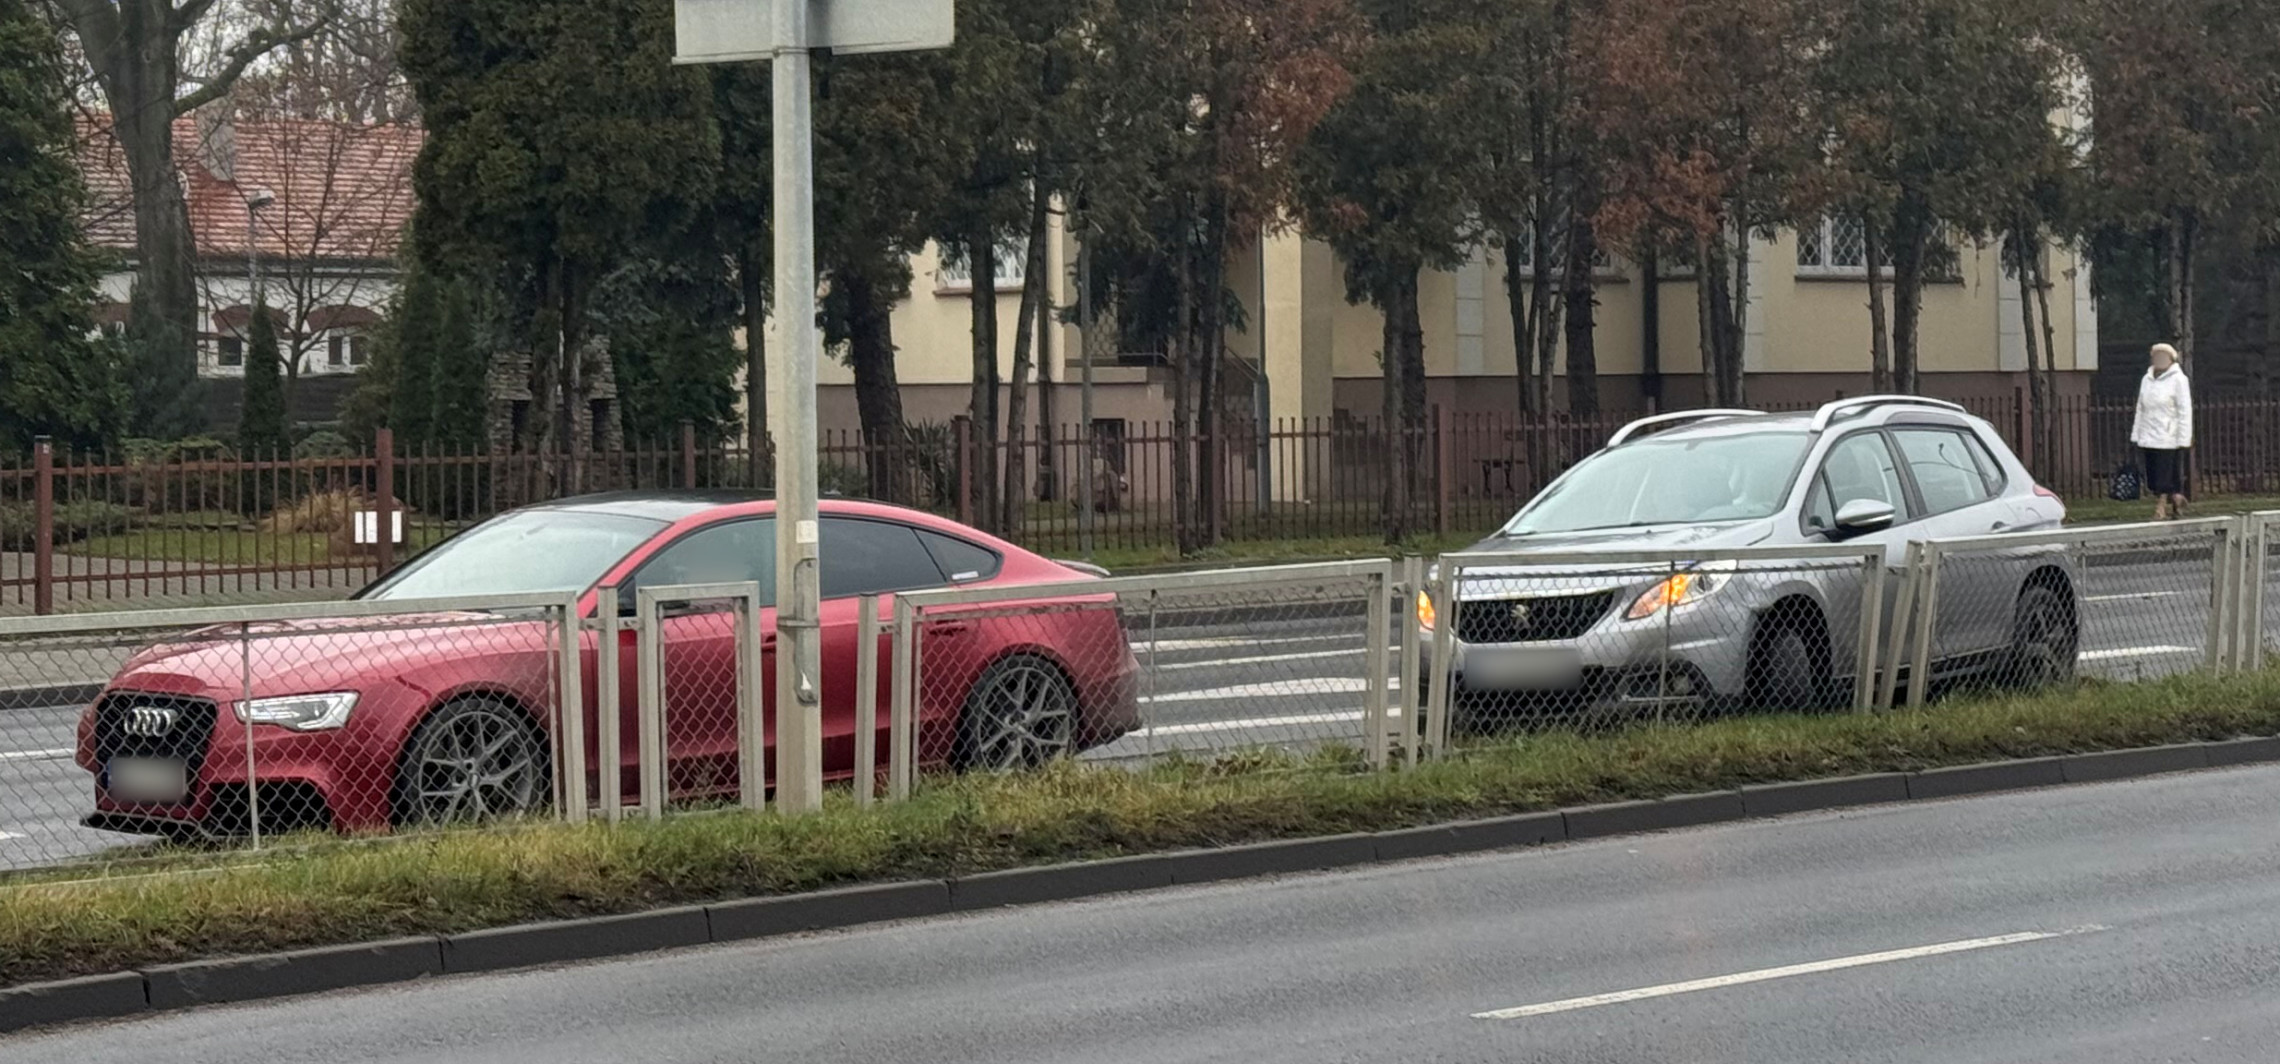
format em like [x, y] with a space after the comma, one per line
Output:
[2164, 431]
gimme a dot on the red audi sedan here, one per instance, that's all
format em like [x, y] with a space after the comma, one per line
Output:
[362, 725]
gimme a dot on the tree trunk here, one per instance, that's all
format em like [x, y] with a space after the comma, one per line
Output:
[1516, 295]
[1706, 284]
[1413, 385]
[134, 49]
[1581, 299]
[1015, 497]
[1546, 309]
[1650, 329]
[1396, 304]
[878, 395]
[1182, 341]
[166, 329]
[2048, 373]
[1738, 335]
[1048, 395]
[1722, 351]
[2181, 236]
[757, 447]
[1879, 330]
[1211, 349]
[982, 409]
[1911, 229]
[2017, 248]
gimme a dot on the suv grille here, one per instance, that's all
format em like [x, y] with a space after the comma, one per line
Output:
[1531, 620]
[140, 725]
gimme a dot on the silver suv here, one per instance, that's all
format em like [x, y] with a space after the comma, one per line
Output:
[1877, 469]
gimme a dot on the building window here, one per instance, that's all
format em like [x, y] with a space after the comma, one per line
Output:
[1524, 255]
[1838, 247]
[336, 351]
[230, 351]
[955, 274]
[357, 355]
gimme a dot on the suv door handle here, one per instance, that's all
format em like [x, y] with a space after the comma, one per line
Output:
[950, 627]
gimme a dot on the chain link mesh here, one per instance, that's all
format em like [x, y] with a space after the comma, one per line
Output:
[1183, 673]
[2127, 606]
[112, 739]
[1532, 645]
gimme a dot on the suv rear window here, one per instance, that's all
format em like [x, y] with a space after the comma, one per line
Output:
[1948, 474]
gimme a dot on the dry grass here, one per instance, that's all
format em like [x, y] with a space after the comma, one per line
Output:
[330, 891]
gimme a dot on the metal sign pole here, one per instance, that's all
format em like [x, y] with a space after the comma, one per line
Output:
[799, 681]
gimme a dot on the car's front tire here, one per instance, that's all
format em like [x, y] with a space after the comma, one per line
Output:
[474, 759]
[1788, 668]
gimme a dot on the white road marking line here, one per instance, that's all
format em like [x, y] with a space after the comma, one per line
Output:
[34, 755]
[1296, 720]
[1279, 689]
[1263, 659]
[1763, 974]
[2136, 652]
[6, 835]
[2134, 596]
[1143, 646]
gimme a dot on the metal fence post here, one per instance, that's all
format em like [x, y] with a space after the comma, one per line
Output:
[901, 716]
[1441, 677]
[43, 526]
[1903, 621]
[2224, 586]
[866, 698]
[245, 704]
[649, 700]
[570, 729]
[1405, 622]
[751, 706]
[1871, 616]
[1920, 664]
[384, 483]
[2252, 582]
[609, 740]
[1381, 629]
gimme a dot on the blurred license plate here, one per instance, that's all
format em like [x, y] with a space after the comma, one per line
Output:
[1522, 668]
[148, 779]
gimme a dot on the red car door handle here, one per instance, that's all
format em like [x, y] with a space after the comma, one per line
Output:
[768, 642]
[949, 627]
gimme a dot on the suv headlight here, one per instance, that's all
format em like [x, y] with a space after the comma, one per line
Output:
[305, 713]
[1680, 589]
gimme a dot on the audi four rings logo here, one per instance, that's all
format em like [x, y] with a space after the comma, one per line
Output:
[150, 721]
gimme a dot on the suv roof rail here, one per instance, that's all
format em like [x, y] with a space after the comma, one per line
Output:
[1828, 413]
[1634, 429]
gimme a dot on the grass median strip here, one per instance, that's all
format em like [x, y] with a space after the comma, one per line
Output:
[336, 892]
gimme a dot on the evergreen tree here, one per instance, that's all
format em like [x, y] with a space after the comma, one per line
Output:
[56, 378]
[262, 422]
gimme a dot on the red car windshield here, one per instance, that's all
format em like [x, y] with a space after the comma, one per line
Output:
[525, 552]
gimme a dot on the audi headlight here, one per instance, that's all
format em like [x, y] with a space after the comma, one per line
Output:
[1681, 589]
[299, 712]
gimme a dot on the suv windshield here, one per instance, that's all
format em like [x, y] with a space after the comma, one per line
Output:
[525, 552]
[1670, 481]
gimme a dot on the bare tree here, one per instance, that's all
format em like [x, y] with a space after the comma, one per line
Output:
[136, 50]
[343, 193]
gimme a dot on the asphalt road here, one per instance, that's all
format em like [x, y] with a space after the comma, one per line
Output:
[1223, 687]
[2121, 922]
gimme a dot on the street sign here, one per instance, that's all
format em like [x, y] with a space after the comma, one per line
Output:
[725, 31]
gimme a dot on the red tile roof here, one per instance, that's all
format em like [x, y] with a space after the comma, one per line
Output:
[342, 190]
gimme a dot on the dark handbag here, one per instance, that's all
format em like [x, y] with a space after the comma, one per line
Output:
[2127, 485]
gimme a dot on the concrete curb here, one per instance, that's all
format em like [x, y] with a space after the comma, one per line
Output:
[175, 986]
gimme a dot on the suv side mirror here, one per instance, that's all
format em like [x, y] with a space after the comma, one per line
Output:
[1862, 516]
